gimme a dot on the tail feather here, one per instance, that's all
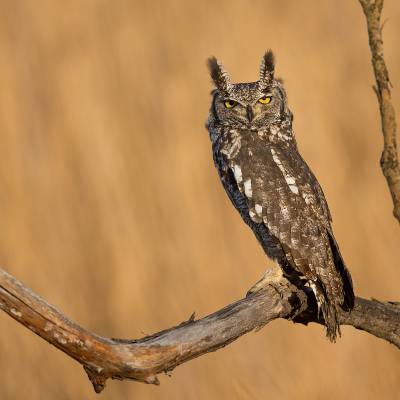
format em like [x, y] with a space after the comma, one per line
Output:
[330, 312]
[335, 294]
[348, 291]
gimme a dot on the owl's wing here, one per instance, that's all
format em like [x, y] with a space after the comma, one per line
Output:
[283, 194]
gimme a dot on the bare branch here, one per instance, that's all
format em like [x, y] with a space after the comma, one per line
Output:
[389, 159]
[143, 359]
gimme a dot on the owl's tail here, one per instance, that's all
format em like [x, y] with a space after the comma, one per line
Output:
[347, 282]
[330, 312]
[336, 294]
[328, 309]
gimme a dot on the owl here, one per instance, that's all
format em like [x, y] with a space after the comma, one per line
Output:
[272, 187]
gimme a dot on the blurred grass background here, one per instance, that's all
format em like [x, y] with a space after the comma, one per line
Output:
[111, 209]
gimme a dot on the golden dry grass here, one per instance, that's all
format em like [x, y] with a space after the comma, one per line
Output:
[111, 208]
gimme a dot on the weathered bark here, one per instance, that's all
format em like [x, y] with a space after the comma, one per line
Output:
[143, 359]
[389, 159]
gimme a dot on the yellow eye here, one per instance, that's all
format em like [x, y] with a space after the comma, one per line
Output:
[230, 103]
[265, 99]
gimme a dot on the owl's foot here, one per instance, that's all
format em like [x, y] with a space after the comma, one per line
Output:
[272, 277]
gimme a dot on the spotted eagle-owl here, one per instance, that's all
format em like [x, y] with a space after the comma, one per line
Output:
[273, 188]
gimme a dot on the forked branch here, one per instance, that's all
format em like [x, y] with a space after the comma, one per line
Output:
[389, 159]
[143, 359]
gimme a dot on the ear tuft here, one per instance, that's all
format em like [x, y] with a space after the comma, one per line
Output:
[219, 76]
[267, 69]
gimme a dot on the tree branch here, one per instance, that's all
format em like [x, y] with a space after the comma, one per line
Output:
[389, 159]
[143, 359]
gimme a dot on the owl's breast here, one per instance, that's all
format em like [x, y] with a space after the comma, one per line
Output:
[248, 149]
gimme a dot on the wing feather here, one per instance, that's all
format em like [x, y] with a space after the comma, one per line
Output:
[283, 193]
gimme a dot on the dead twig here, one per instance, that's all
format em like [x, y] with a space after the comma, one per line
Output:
[389, 159]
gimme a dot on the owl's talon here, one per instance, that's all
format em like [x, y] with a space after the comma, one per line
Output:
[272, 277]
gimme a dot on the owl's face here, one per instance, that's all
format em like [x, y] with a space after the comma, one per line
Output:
[253, 106]
[247, 106]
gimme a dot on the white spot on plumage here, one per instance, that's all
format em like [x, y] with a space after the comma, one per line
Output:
[276, 159]
[278, 132]
[313, 287]
[237, 171]
[247, 188]
[258, 209]
[274, 130]
[283, 136]
[290, 180]
[285, 212]
[294, 189]
[272, 227]
[308, 198]
[224, 151]
[255, 216]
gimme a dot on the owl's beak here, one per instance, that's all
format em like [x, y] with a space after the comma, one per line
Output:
[250, 113]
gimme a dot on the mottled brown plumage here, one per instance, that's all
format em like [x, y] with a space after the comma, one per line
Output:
[273, 188]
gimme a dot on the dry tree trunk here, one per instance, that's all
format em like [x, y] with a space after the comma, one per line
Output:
[143, 359]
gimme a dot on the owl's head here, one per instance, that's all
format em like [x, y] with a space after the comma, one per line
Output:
[254, 105]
